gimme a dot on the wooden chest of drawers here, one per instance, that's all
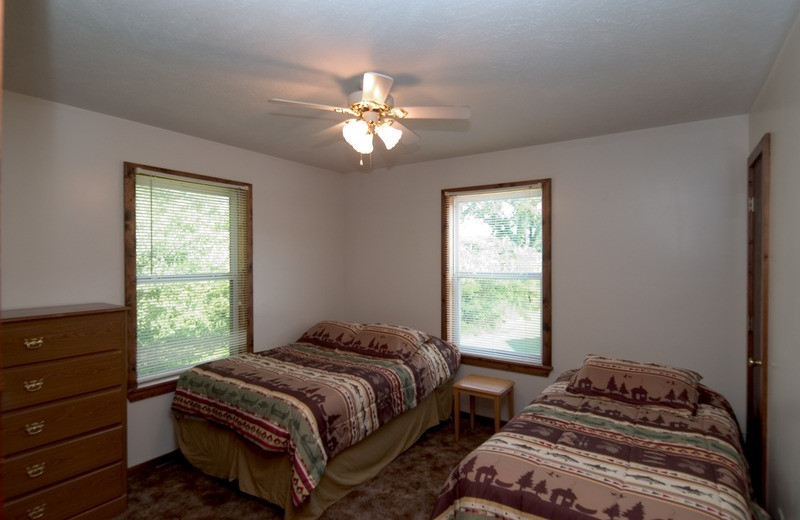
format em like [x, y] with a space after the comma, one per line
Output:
[63, 405]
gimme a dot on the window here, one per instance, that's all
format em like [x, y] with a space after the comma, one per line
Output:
[496, 274]
[188, 273]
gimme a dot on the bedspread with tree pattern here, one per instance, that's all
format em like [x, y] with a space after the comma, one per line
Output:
[570, 456]
[311, 401]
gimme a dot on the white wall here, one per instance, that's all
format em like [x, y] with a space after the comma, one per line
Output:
[777, 110]
[649, 246]
[62, 226]
[649, 237]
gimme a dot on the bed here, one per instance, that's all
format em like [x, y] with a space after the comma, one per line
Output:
[302, 424]
[613, 439]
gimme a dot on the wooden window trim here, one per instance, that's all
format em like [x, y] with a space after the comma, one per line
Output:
[136, 393]
[508, 366]
[547, 334]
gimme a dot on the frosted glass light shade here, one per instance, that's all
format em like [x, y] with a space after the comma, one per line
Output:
[356, 133]
[363, 144]
[353, 129]
[389, 135]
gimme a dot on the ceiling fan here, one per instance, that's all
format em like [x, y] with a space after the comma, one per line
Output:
[374, 112]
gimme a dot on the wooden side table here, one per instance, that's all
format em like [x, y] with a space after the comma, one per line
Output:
[482, 386]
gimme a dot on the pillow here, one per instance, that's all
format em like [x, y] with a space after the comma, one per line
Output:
[388, 341]
[636, 383]
[331, 334]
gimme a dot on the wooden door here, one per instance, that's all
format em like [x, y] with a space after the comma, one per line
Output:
[757, 292]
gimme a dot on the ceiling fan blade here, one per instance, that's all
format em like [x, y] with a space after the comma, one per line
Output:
[331, 131]
[330, 136]
[315, 106]
[461, 112]
[376, 87]
[409, 137]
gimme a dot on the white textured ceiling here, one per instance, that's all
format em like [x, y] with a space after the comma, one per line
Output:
[532, 71]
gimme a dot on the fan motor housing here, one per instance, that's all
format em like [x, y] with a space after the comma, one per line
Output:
[357, 97]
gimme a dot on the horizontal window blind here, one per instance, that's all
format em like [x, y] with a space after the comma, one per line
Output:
[493, 272]
[192, 282]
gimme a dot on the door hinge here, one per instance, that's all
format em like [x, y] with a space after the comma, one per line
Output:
[751, 204]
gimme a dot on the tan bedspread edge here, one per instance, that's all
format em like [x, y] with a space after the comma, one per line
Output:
[221, 453]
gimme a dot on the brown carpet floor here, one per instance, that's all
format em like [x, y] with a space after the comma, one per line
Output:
[405, 489]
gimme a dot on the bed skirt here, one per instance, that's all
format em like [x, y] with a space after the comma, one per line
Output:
[221, 453]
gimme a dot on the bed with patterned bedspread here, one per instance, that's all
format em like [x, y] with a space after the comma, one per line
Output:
[314, 398]
[615, 439]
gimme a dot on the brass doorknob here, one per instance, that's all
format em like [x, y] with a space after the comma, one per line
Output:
[753, 362]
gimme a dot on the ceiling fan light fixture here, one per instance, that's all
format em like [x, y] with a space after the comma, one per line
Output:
[389, 134]
[373, 112]
[364, 144]
[357, 133]
[354, 129]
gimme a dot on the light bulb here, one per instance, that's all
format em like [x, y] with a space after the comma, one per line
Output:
[389, 134]
[354, 129]
[363, 144]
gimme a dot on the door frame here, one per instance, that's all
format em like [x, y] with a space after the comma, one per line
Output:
[758, 183]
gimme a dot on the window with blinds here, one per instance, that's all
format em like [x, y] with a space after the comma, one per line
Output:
[192, 290]
[496, 278]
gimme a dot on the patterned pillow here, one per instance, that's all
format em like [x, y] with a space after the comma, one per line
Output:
[636, 383]
[388, 341]
[331, 334]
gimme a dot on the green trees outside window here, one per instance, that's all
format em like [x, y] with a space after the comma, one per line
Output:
[495, 276]
[191, 285]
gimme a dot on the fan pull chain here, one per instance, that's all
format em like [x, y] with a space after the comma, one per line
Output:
[361, 160]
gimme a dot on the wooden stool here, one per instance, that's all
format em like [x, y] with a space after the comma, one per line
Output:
[482, 386]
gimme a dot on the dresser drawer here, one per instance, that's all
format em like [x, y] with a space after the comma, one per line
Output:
[68, 498]
[56, 462]
[33, 427]
[45, 339]
[33, 384]
[104, 511]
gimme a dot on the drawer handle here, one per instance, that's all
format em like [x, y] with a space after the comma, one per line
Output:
[33, 385]
[36, 512]
[34, 427]
[33, 343]
[36, 470]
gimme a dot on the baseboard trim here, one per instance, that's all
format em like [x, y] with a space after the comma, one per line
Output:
[152, 464]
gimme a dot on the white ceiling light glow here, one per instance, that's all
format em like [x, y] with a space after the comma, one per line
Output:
[389, 134]
[358, 134]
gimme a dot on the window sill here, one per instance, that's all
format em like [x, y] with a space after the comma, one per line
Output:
[509, 366]
[146, 392]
